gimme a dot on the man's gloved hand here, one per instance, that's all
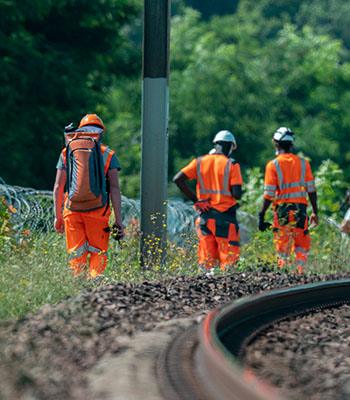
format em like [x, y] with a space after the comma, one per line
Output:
[202, 205]
[117, 231]
[262, 224]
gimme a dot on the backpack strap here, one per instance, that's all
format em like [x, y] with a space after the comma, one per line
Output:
[107, 155]
[108, 196]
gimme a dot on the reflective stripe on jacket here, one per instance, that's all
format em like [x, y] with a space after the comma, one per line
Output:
[287, 179]
[214, 186]
[215, 174]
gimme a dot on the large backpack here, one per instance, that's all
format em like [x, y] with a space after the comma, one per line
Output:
[86, 181]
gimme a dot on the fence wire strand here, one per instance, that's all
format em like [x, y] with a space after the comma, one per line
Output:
[33, 209]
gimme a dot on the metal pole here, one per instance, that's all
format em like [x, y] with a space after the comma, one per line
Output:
[155, 111]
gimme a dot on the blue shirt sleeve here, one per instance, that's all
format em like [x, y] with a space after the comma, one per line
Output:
[114, 163]
[60, 163]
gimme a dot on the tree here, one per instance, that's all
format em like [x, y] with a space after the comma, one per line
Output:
[327, 16]
[312, 92]
[220, 84]
[249, 73]
[57, 59]
[230, 76]
[208, 8]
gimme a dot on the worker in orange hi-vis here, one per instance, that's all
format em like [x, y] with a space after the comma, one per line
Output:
[219, 186]
[288, 181]
[89, 170]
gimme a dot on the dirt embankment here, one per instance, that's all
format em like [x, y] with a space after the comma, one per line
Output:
[68, 351]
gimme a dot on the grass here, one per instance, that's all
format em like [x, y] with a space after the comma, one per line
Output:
[35, 271]
[329, 251]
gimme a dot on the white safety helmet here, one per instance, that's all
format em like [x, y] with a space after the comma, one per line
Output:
[225, 136]
[283, 134]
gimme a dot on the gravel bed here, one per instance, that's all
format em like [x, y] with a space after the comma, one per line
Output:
[307, 357]
[48, 355]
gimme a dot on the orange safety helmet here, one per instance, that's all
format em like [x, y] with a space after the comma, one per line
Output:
[92, 119]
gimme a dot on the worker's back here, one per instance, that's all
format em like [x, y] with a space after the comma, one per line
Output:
[216, 173]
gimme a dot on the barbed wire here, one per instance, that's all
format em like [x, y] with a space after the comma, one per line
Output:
[34, 210]
[31, 209]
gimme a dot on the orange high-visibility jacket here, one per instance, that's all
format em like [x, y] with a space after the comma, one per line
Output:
[215, 174]
[107, 154]
[288, 178]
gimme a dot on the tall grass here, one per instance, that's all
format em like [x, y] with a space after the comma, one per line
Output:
[34, 273]
[329, 253]
[37, 272]
[34, 269]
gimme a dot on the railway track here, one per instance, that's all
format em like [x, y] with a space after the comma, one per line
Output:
[203, 363]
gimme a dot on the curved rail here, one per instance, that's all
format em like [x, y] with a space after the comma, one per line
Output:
[203, 363]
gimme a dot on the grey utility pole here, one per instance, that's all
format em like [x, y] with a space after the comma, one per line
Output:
[155, 112]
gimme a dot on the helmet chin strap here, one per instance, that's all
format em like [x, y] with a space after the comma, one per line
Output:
[222, 148]
[231, 150]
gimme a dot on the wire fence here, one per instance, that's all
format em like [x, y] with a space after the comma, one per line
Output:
[33, 209]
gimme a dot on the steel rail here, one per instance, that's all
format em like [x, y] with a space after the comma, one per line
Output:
[204, 364]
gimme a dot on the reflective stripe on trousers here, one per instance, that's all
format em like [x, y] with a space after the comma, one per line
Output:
[291, 232]
[85, 236]
[218, 235]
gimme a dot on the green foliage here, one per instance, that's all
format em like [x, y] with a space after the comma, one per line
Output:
[123, 134]
[252, 197]
[57, 60]
[6, 230]
[10, 238]
[327, 16]
[35, 274]
[330, 186]
[329, 252]
[124, 264]
[305, 73]
[219, 85]
[208, 8]
[228, 74]
[330, 249]
[39, 273]
[258, 67]
[34, 269]
[225, 74]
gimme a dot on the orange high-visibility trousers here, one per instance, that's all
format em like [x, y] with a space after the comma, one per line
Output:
[85, 236]
[218, 240]
[291, 234]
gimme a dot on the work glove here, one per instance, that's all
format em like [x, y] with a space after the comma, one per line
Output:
[117, 232]
[262, 224]
[202, 205]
